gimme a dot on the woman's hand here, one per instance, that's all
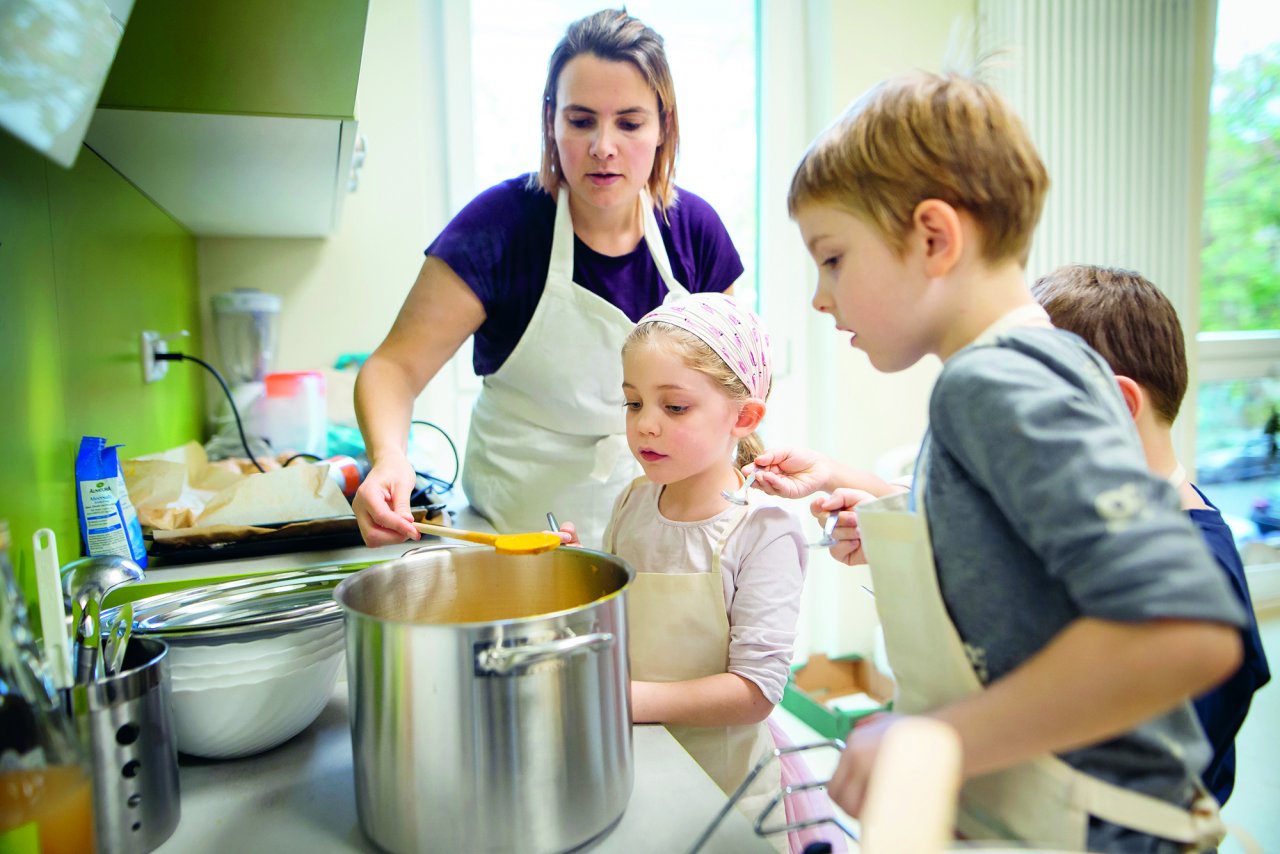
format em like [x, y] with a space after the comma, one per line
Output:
[381, 504]
[791, 472]
[848, 546]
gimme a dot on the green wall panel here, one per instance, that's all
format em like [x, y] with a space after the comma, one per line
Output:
[279, 57]
[30, 371]
[86, 263]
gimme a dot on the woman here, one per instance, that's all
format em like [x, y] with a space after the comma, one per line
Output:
[549, 274]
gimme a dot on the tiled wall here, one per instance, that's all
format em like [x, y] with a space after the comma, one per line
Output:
[86, 263]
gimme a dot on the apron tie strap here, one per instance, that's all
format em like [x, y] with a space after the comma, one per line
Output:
[609, 450]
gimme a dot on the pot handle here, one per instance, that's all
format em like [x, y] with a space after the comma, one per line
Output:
[503, 659]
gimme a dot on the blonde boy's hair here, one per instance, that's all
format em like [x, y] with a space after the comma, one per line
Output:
[923, 136]
[698, 356]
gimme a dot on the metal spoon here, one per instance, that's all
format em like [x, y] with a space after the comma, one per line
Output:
[828, 528]
[98, 574]
[739, 497]
[119, 639]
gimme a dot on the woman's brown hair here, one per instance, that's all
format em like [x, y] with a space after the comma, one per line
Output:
[615, 36]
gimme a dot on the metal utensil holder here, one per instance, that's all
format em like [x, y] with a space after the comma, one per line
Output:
[126, 724]
[761, 824]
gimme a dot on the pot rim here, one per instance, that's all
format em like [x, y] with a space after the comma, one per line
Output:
[350, 581]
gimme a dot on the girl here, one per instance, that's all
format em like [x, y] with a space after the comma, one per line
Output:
[712, 611]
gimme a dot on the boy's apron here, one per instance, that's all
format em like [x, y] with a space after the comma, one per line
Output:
[548, 431]
[678, 630]
[1043, 801]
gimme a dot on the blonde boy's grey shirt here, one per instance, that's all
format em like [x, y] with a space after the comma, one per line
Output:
[1041, 510]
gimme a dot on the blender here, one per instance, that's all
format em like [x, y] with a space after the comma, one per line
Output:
[245, 327]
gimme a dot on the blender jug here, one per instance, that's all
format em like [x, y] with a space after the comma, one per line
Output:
[244, 327]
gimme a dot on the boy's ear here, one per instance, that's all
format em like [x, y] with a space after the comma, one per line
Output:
[938, 226]
[749, 417]
[1134, 397]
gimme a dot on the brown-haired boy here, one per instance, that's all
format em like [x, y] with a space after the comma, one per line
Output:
[1136, 329]
[1054, 605]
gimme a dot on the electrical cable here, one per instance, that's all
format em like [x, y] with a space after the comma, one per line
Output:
[180, 357]
[457, 463]
[303, 455]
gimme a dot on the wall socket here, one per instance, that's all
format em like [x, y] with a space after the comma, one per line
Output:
[150, 344]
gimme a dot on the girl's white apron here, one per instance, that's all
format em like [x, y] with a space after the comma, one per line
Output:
[548, 432]
[679, 630]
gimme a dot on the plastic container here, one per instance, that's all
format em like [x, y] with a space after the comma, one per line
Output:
[295, 412]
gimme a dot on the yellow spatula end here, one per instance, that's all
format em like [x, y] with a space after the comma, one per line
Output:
[526, 544]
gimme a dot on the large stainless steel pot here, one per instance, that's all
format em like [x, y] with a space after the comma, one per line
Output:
[490, 706]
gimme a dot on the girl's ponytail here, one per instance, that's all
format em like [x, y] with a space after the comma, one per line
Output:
[749, 447]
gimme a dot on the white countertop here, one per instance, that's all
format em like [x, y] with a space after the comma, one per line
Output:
[301, 797]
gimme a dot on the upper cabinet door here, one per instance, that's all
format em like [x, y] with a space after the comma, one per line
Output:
[237, 117]
[278, 58]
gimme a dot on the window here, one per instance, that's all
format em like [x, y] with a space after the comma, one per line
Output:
[1238, 410]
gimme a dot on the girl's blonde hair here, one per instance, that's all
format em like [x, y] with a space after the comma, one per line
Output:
[615, 36]
[699, 357]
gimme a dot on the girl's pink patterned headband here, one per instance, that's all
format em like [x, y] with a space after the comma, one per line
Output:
[733, 331]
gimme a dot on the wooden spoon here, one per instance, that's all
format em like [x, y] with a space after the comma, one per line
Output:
[510, 544]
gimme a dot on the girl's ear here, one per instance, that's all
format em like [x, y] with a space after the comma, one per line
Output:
[1134, 397]
[749, 417]
[937, 226]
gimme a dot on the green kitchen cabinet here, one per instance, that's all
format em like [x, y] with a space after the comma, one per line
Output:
[237, 117]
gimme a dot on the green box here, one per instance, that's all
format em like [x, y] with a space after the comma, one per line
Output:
[815, 683]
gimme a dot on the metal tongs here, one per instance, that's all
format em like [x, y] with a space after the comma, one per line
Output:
[761, 826]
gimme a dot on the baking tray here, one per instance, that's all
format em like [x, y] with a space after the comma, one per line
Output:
[226, 542]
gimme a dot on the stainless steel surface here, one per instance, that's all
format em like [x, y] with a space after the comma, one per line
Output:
[97, 574]
[462, 743]
[828, 528]
[126, 723]
[762, 825]
[298, 798]
[239, 610]
[739, 497]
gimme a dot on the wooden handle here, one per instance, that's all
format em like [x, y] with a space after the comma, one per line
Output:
[456, 533]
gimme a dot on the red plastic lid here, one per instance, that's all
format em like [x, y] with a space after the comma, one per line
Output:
[291, 383]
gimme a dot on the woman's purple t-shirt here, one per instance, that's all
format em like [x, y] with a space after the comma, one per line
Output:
[500, 245]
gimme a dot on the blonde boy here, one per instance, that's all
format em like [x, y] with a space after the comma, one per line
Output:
[1038, 588]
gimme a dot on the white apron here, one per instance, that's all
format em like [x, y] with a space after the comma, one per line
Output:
[548, 431]
[1043, 801]
[678, 630]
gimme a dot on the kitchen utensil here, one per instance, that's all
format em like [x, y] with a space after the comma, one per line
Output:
[486, 685]
[53, 615]
[243, 609]
[828, 528]
[119, 635]
[126, 723]
[553, 524]
[510, 544]
[99, 574]
[761, 825]
[87, 640]
[739, 497]
[236, 717]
